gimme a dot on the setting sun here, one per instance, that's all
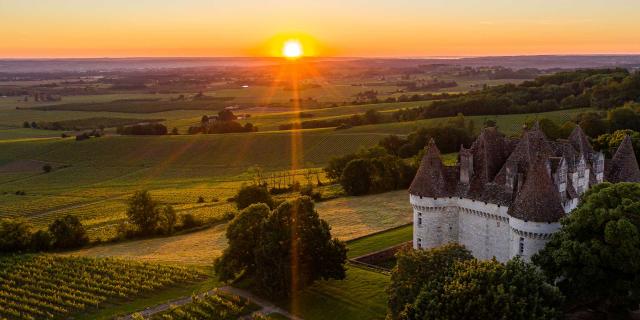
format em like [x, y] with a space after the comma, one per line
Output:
[292, 49]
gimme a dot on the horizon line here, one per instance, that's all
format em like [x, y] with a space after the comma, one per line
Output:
[440, 57]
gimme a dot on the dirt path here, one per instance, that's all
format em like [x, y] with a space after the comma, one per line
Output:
[267, 307]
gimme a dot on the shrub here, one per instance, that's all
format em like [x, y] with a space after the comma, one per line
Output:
[15, 235]
[250, 194]
[167, 220]
[68, 232]
[190, 221]
[41, 240]
[200, 199]
[46, 168]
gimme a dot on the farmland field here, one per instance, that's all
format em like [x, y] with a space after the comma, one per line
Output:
[50, 287]
[362, 215]
[209, 306]
[92, 179]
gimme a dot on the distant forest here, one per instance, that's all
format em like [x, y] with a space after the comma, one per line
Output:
[600, 88]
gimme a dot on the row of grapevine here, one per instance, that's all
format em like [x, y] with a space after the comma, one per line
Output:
[215, 306]
[53, 287]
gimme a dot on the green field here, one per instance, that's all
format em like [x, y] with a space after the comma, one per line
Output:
[380, 241]
[92, 179]
[361, 296]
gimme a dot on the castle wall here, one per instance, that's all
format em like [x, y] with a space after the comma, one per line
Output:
[484, 228]
[529, 237]
[481, 227]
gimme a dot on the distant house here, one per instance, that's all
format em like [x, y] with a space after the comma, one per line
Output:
[505, 197]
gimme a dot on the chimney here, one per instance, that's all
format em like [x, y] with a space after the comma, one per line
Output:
[511, 175]
[466, 165]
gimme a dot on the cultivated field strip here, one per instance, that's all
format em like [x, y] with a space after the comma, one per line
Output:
[209, 306]
[51, 287]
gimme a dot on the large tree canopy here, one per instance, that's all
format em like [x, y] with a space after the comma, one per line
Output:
[282, 251]
[595, 256]
[474, 289]
[415, 268]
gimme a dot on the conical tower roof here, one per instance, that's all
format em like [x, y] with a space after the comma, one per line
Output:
[538, 200]
[624, 165]
[430, 179]
[580, 141]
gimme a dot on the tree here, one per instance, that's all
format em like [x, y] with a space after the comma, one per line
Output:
[26, 124]
[226, 116]
[41, 240]
[474, 289]
[356, 177]
[609, 143]
[372, 116]
[295, 249]
[242, 235]
[15, 235]
[250, 194]
[143, 212]
[392, 144]
[46, 168]
[415, 268]
[284, 250]
[595, 255]
[624, 118]
[174, 131]
[592, 123]
[167, 220]
[337, 164]
[68, 232]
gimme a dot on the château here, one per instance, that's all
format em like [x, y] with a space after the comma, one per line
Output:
[506, 196]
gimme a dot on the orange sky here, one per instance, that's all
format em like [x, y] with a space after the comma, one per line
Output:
[118, 28]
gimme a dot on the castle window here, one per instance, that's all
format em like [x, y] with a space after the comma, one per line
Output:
[521, 248]
[419, 243]
[420, 219]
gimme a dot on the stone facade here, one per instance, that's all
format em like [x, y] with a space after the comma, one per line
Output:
[506, 196]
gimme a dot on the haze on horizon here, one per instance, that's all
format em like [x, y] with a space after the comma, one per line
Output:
[383, 28]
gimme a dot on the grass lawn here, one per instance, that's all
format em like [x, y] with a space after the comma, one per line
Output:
[379, 241]
[361, 296]
[153, 299]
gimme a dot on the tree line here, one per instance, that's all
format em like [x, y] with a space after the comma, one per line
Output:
[599, 88]
[223, 122]
[394, 162]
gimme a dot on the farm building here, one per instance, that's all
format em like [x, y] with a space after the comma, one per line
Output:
[505, 197]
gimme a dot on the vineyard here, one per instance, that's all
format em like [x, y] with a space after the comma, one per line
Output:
[50, 287]
[215, 306]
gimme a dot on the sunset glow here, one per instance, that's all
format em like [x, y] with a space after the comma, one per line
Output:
[74, 28]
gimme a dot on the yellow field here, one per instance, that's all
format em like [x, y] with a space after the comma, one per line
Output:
[349, 217]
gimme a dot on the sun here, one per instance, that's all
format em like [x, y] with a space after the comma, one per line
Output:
[292, 49]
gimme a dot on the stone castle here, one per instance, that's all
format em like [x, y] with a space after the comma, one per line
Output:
[505, 196]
